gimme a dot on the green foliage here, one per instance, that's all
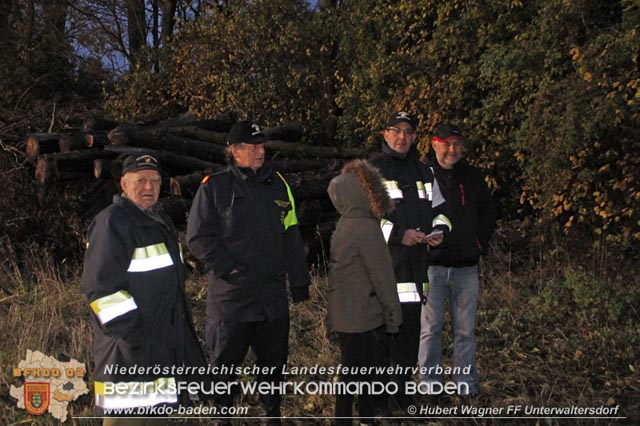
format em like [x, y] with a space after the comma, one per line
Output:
[547, 92]
[140, 96]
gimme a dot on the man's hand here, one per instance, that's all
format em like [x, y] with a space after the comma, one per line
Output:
[413, 237]
[435, 240]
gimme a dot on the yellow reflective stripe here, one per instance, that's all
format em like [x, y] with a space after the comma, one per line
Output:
[392, 189]
[408, 292]
[181, 256]
[421, 191]
[442, 220]
[290, 219]
[155, 256]
[386, 227]
[136, 394]
[109, 307]
[428, 187]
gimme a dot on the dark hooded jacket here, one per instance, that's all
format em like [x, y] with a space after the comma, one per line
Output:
[134, 280]
[362, 285]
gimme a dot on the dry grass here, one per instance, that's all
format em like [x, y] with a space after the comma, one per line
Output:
[551, 333]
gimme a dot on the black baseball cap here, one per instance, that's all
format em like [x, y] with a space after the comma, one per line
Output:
[444, 131]
[246, 132]
[134, 163]
[402, 117]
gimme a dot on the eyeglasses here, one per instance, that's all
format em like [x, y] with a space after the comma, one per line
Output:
[448, 144]
[396, 131]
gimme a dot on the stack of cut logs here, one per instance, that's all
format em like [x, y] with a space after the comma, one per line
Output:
[190, 149]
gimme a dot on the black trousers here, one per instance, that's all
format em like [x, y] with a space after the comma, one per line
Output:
[357, 350]
[403, 350]
[228, 343]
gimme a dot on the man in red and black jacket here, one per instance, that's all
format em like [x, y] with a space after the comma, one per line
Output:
[453, 266]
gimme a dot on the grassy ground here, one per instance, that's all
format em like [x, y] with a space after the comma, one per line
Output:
[556, 328]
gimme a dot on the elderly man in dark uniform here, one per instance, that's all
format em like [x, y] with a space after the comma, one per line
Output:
[134, 280]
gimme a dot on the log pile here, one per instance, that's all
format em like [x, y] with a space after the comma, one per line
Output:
[189, 150]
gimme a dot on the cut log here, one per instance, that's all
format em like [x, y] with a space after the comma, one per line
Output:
[290, 132]
[41, 143]
[96, 140]
[71, 142]
[299, 150]
[195, 132]
[287, 132]
[102, 168]
[186, 186]
[171, 163]
[293, 166]
[162, 139]
[67, 164]
[312, 184]
[94, 124]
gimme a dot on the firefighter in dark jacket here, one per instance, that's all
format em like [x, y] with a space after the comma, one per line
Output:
[419, 211]
[453, 270]
[243, 227]
[134, 279]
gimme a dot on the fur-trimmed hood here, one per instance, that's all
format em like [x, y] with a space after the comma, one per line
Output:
[359, 192]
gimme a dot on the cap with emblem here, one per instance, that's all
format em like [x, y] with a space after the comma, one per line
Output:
[134, 163]
[246, 132]
[402, 117]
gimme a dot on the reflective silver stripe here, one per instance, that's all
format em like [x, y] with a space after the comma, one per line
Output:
[428, 189]
[421, 191]
[155, 256]
[442, 220]
[109, 307]
[392, 189]
[387, 227]
[408, 292]
[136, 394]
[437, 198]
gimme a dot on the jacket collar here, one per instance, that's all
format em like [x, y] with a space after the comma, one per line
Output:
[413, 152]
[263, 174]
[154, 215]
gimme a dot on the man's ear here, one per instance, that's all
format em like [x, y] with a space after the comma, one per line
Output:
[123, 184]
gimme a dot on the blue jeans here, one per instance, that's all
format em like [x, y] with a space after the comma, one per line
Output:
[461, 286]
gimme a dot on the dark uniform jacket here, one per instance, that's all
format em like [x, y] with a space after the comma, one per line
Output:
[362, 285]
[473, 214]
[418, 205]
[246, 221]
[134, 278]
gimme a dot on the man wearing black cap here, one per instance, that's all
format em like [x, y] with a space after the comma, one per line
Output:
[409, 232]
[453, 270]
[243, 227]
[134, 279]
